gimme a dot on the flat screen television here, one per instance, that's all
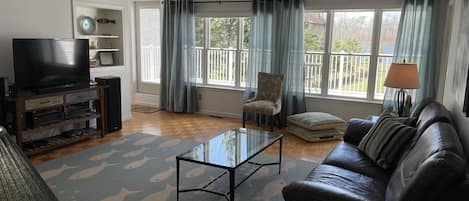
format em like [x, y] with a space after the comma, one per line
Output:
[46, 65]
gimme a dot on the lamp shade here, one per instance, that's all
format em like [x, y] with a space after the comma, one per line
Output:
[402, 75]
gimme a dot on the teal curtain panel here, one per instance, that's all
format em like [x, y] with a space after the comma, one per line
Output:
[276, 46]
[419, 40]
[178, 72]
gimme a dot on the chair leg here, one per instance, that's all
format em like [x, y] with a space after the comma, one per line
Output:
[271, 123]
[257, 120]
[244, 119]
[279, 122]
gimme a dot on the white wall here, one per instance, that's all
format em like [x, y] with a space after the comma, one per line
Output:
[228, 103]
[456, 74]
[31, 19]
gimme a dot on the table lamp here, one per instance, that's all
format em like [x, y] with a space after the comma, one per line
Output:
[402, 76]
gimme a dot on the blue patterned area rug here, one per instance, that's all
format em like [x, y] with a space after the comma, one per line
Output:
[142, 167]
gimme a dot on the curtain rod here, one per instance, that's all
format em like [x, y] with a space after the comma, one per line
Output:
[220, 2]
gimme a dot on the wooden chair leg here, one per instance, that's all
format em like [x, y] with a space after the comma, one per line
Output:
[244, 119]
[271, 123]
[279, 122]
[257, 120]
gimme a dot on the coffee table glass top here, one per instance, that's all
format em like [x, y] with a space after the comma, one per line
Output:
[231, 148]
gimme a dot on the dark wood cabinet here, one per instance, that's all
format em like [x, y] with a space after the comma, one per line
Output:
[22, 108]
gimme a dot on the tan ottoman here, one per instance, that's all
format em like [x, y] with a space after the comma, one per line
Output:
[315, 126]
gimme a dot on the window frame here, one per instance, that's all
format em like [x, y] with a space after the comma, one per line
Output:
[141, 85]
[206, 47]
[324, 88]
[374, 54]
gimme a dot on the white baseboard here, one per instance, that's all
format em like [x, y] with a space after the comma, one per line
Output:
[220, 114]
[147, 99]
[126, 117]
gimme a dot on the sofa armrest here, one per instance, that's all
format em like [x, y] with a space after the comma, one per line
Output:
[18, 177]
[458, 191]
[310, 190]
[356, 130]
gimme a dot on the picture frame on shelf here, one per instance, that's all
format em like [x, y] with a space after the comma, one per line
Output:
[106, 58]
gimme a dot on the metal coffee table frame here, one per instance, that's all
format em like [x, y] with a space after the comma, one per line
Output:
[215, 185]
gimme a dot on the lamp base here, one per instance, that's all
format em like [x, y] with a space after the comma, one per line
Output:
[401, 100]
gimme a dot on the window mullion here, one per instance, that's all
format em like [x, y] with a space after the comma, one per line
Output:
[205, 50]
[238, 52]
[327, 55]
[374, 55]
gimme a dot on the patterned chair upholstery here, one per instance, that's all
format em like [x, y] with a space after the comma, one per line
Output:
[268, 100]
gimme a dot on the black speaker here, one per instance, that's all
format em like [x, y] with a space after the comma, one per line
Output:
[112, 102]
[4, 92]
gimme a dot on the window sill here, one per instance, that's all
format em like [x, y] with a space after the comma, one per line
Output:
[220, 87]
[345, 99]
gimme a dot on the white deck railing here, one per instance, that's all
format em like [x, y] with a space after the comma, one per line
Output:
[150, 64]
[348, 74]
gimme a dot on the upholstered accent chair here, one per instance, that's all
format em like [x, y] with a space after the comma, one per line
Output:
[268, 100]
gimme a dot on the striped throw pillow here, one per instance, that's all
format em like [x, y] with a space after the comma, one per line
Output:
[385, 140]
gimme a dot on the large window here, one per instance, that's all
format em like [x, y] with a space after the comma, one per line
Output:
[387, 39]
[314, 43]
[346, 52]
[222, 50]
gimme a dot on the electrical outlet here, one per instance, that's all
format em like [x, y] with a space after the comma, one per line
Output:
[199, 96]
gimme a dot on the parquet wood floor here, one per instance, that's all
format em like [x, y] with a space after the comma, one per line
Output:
[196, 127]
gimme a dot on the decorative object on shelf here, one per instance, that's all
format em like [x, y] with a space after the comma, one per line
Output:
[93, 44]
[106, 58]
[106, 21]
[93, 63]
[87, 25]
[106, 36]
[93, 54]
[402, 76]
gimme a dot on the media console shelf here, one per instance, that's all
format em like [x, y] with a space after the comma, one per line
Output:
[64, 106]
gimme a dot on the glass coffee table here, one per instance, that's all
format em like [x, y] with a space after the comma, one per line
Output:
[232, 151]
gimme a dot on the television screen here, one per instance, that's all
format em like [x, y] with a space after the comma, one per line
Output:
[54, 64]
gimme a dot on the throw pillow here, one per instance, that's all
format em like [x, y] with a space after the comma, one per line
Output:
[385, 141]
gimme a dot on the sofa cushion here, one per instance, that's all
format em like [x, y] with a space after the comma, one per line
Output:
[385, 140]
[434, 162]
[419, 108]
[262, 107]
[356, 130]
[314, 135]
[316, 120]
[347, 156]
[433, 112]
[355, 186]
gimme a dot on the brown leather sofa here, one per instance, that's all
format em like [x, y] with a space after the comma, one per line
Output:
[432, 167]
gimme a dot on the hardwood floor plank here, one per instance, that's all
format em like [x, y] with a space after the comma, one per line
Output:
[195, 127]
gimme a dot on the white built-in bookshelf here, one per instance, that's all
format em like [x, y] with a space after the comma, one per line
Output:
[107, 38]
